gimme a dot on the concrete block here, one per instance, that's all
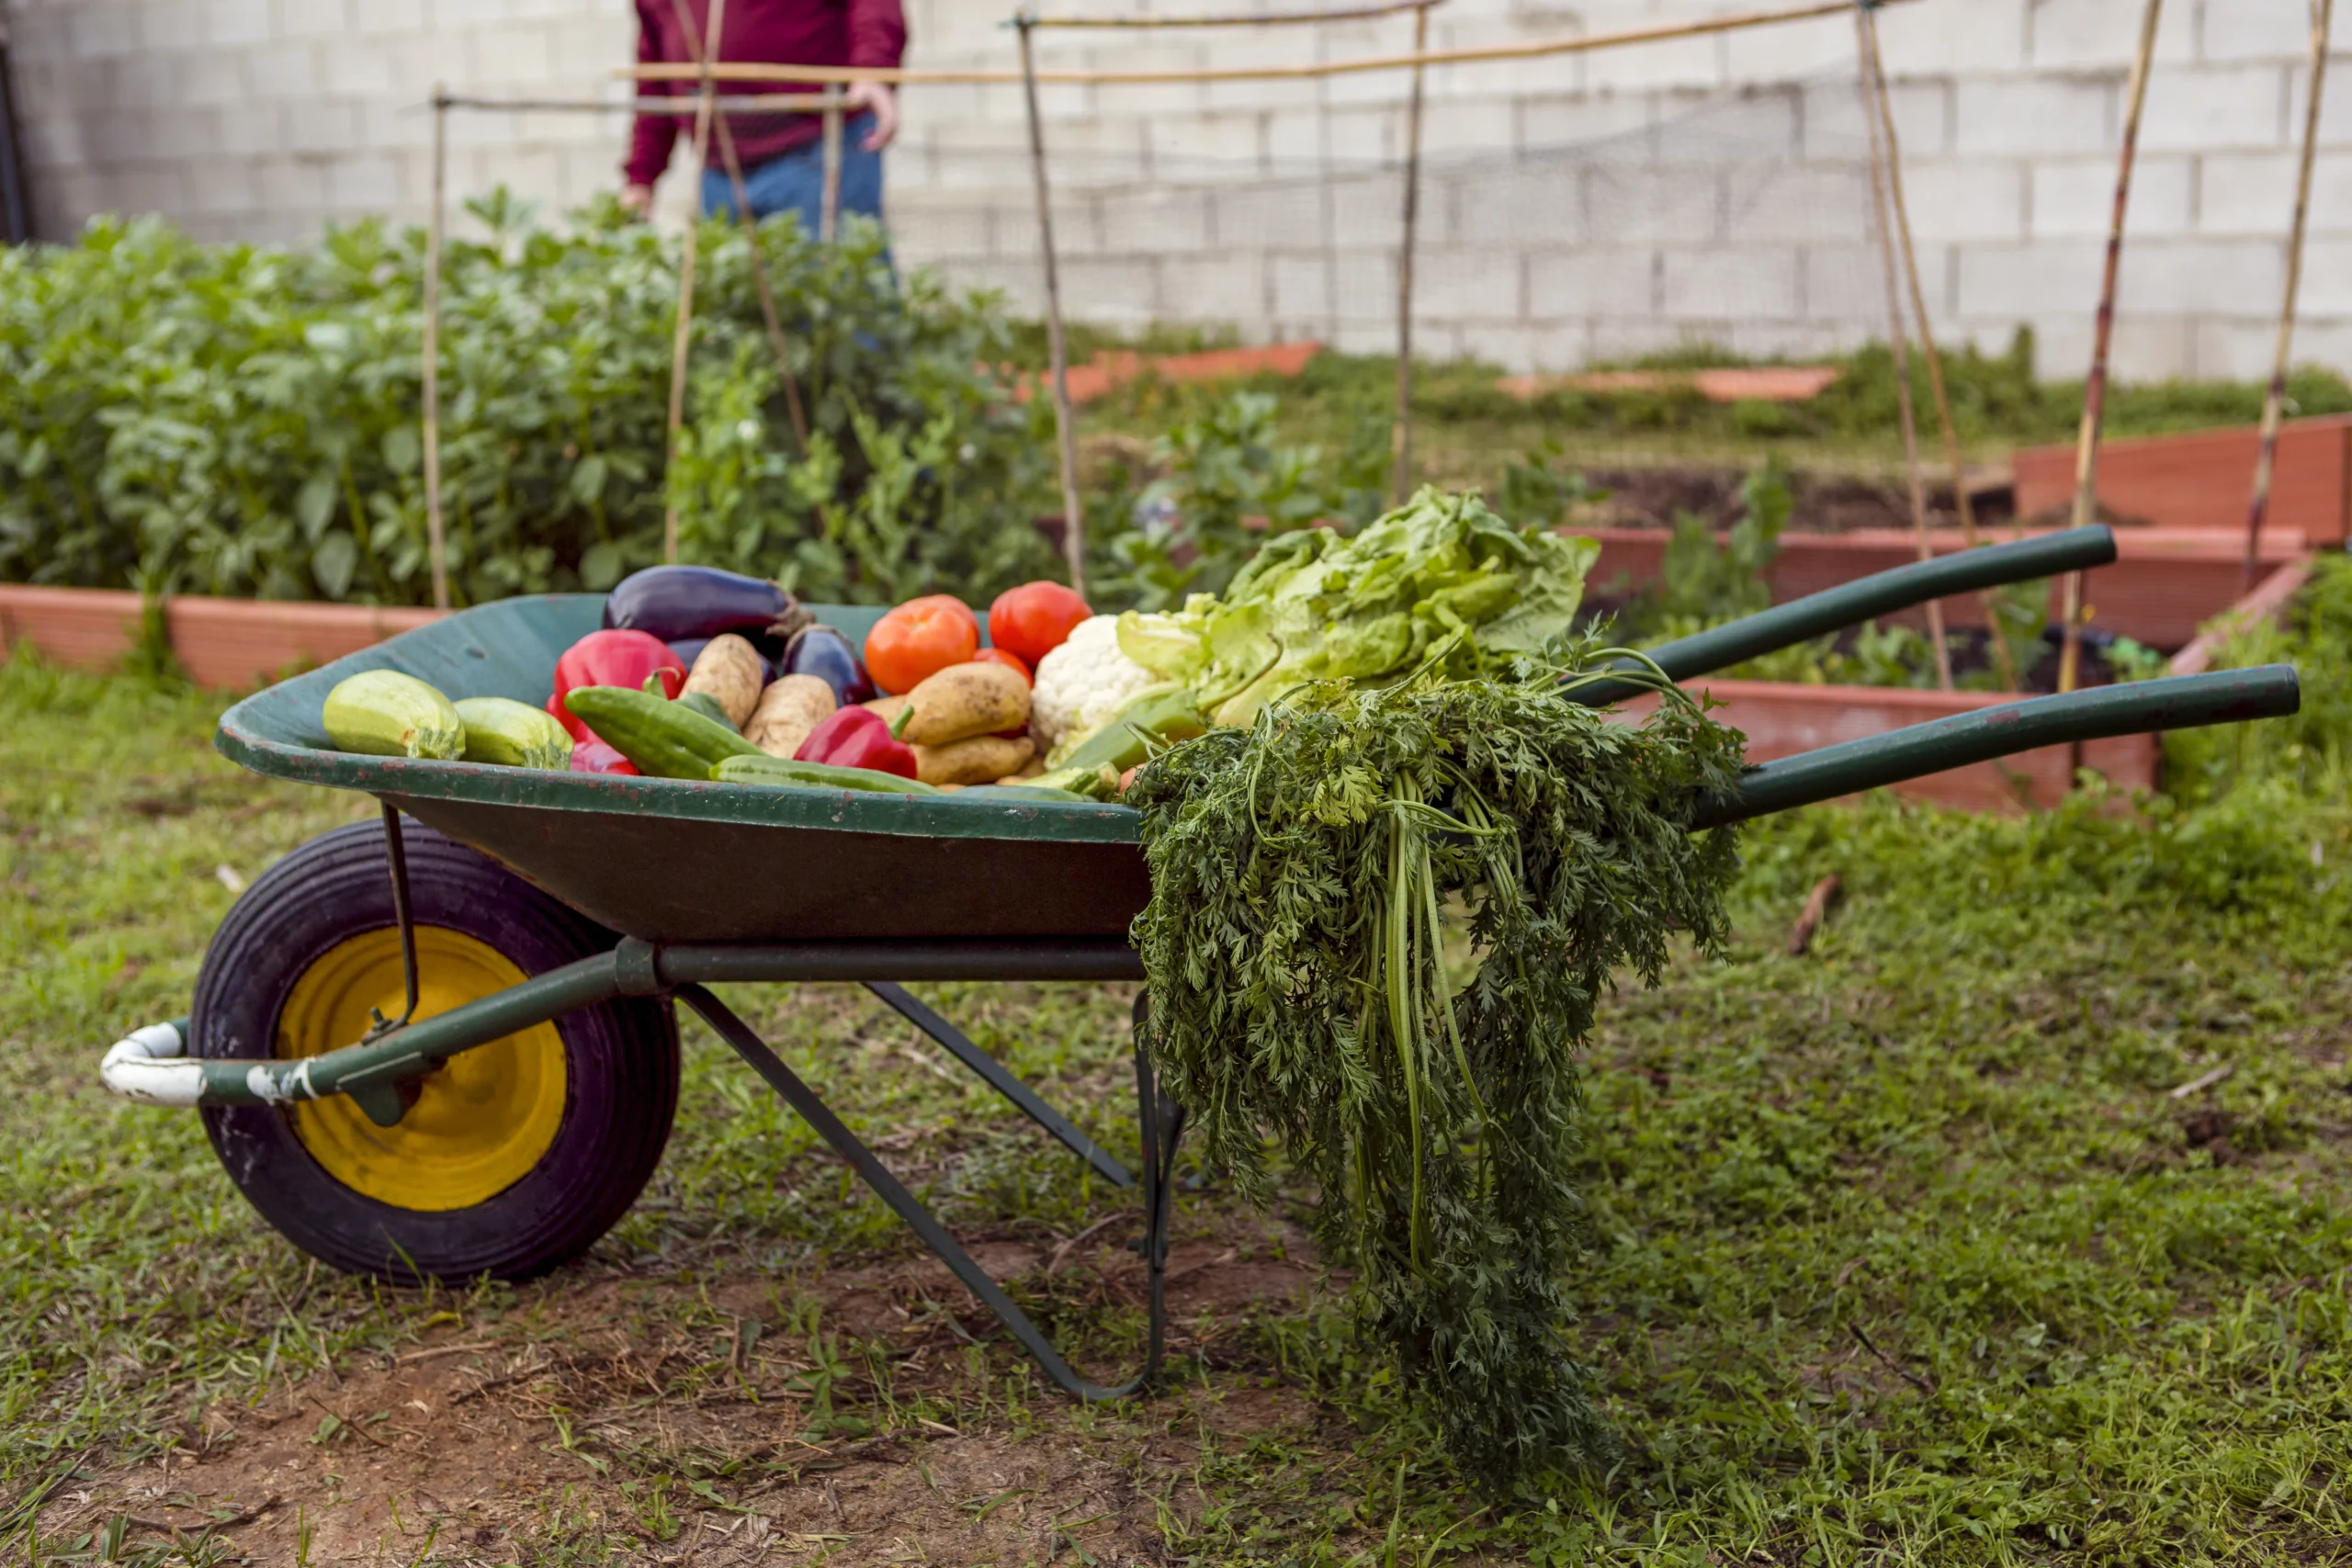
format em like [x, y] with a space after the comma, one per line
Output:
[1214, 288]
[2255, 29]
[1365, 292]
[1616, 282]
[237, 21]
[1683, 62]
[1677, 206]
[313, 19]
[1530, 346]
[319, 125]
[203, 79]
[1355, 138]
[247, 130]
[1730, 285]
[1301, 286]
[1797, 204]
[1368, 213]
[378, 18]
[1157, 221]
[2075, 197]
[2209, 109]
[1126, 288]
[2240, 350]
[1514, 207]
[2254, 194]
[1790, 51]
[170, 26]
[1469, 284]
[2017, 283]
[1965, 200]
[518, 56]
[103, 30]
[1928, 121]
[2146, 349]
[1485, 126]
[125, 136]
[282, 70]
[1983, 37]
[579, 58]
[933, 231]
[371, 183]
[1188, 146]
[1584, 119]
[1291, 141]
[2033, 116]
[2327, 277]
[2101, 35]
[2189, 278]
[288, 184]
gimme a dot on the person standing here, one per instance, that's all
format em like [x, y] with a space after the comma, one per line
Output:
[782, 155]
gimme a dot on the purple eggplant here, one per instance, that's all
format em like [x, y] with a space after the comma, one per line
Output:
[680, 603]
[688, 650]
[825, 653]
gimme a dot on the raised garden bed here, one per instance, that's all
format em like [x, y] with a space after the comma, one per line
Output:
[2204, 479]
[232, 643]
[2165, 583]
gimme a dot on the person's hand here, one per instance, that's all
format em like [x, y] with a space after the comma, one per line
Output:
[637, 200]
[881, 101]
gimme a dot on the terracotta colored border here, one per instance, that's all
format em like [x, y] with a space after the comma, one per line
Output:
[2165, 583]
[1782, 719]
[234, 643]
[1113, 368]
[2203, 479]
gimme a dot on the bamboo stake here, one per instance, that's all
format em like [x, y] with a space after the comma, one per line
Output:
[742, 191]
[436, 533]
[2070, 659]
[2273, 406]
[678, 349]
[1401, 434]
[829, 209]
[756, 102]
[743, 71]
[1962, 501]
[1057, 344]
[1897, 337]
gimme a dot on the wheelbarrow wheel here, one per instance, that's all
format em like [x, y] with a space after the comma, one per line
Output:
[512, 1158]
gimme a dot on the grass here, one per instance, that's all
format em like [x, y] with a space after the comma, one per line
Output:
[1905, 1250]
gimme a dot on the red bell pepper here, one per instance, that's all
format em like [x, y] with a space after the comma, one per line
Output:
[858, 738]
[612, 658]
[592, 756]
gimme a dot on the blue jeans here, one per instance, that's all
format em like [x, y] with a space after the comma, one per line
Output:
[795, 181]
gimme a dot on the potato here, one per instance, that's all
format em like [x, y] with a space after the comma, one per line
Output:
[888, 707]
[788, 711]
[728, 671]
[978, 759]
[966, 700]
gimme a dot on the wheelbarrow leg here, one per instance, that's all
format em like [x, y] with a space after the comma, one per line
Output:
[1159, 1137]
[1000, 1078]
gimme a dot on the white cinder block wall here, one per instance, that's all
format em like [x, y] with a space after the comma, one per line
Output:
[1576, 207]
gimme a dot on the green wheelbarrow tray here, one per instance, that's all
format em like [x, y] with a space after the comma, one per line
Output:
[709, 882]
[669, 860]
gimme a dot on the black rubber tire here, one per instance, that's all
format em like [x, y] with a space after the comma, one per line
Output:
[621, 1062]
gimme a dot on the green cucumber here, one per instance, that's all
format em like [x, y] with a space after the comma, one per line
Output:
[665, 739]
[708, 706]
[382, 713]
[508, 734]
[762, 769]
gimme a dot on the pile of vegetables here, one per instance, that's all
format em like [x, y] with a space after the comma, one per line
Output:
[705, 674]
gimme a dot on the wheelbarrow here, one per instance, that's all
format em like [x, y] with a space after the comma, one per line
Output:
[470, 1065]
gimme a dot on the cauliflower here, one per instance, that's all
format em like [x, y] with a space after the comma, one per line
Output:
[1083, 685]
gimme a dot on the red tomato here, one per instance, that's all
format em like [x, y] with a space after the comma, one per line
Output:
[919, 638]
[1034, 619]
[1009, 660]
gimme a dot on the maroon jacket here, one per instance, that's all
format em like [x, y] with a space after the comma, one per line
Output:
[804, 32]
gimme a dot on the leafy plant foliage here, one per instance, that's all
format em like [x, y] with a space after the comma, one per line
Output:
[244, 419]
[1380, 924]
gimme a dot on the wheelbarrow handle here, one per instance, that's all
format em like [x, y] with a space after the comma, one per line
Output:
[1881, 593]
[2183, 701]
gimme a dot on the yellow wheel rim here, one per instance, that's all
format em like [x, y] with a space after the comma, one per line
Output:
[480, 1121]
